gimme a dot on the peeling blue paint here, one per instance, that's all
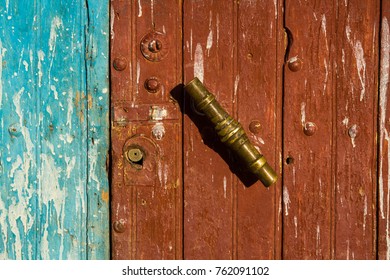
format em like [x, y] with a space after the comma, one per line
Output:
[54, 129]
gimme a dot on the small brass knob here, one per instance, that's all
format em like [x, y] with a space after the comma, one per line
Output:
[135, 155]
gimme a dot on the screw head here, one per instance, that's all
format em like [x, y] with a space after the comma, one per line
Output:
[255, 127]
[152, 85]
[295, 64]
[309, 128]
[120, 63]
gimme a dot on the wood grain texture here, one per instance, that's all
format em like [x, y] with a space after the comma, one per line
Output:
[308, 98]
[330, 179]
[356, 73]
[234, 53]
[384, 151]
[146, 203]
[54, 130]
[258, 102]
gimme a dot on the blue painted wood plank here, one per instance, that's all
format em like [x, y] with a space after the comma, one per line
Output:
[98, 129]
[54, 130]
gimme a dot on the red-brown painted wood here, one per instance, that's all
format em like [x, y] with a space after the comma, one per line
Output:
[258, 109]
[355, 87]
[306, 96]
[308, 103]
[384, 151]
[146, 203]
[209, 195]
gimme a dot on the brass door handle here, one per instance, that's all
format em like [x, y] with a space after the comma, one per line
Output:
[231, 132]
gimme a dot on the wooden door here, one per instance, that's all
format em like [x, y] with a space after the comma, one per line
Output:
[308, 81]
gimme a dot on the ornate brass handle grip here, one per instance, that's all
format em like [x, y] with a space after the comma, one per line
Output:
[231, 132]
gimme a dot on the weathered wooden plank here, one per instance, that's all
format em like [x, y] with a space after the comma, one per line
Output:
[210, 34]
[384, 151]
[19, 118]
[308, 128]
[97, 67]
[52, 169]
[146, 202]
[257, 96]
[356, 60]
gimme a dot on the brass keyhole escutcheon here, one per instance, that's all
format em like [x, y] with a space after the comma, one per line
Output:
[135, 156]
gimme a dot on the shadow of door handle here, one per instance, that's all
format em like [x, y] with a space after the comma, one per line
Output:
[231, 132]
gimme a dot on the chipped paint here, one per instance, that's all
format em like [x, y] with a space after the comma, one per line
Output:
[2, 53]
[198, 63]
[361, 67]
[384, 135]
[158, 131]
[358, 52]
[286, 200]
[224, 186]
[41, 57]
[236, 82]
[139, 8]
[318, 240]
[112, 22]
[157, 113]
[217, 24]
[296, 226]
[352, 132]
[56, 23]
[152, 11]
[303, 113]
[47, 158]
[209, 42]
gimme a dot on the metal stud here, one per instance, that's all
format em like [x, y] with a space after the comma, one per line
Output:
[255, 127]
[119, 226]
[309, 128]
[152, 85]
[295, 64]
[120, 63]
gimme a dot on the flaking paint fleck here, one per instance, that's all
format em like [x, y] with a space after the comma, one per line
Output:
[303, 113]
[224, 186]
[41, 57]
[384, 135]
[56, 23]
[286, 200]
[198, 63]
[139, 8]
[2, 53]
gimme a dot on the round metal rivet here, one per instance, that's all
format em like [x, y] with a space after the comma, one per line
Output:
[119, 226]
[309, 128]
[295, 64]
[152, 85]
[255, 127]
[120, 63]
